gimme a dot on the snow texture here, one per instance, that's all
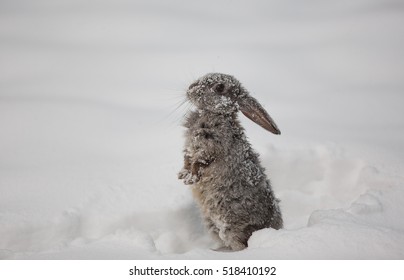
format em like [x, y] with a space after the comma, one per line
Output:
[91, 142]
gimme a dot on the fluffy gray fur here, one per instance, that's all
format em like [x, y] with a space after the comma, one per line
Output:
[227, 179]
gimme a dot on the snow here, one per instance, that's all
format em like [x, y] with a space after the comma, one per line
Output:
[91, 142]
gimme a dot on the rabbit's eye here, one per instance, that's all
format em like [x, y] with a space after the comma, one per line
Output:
[220, 88]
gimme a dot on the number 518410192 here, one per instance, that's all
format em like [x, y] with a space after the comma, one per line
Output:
[249, 270]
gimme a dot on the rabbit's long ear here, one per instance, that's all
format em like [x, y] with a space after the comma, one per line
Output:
[250, 107]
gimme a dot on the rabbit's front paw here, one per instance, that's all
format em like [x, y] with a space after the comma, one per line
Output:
[191, 179]
[183, 173]
[188, 177]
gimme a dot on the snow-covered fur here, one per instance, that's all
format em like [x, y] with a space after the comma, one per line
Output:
[227, 179]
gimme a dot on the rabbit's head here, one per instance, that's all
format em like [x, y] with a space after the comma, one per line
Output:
[223, 94]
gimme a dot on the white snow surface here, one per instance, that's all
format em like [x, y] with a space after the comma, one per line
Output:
[91, 140]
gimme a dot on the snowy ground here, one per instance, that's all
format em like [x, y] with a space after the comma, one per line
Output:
[91, 142]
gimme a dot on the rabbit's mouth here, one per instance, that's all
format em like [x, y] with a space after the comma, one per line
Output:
[191, 96]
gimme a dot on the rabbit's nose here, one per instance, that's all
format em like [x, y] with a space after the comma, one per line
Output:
[194, 84]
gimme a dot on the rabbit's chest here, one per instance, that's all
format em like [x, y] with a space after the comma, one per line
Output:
[205, 138]
[209, 132]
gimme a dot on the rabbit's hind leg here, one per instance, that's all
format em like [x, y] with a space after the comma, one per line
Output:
[234, 238]
[214, 232]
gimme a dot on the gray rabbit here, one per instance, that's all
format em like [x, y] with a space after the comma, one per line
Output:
[228, 181]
